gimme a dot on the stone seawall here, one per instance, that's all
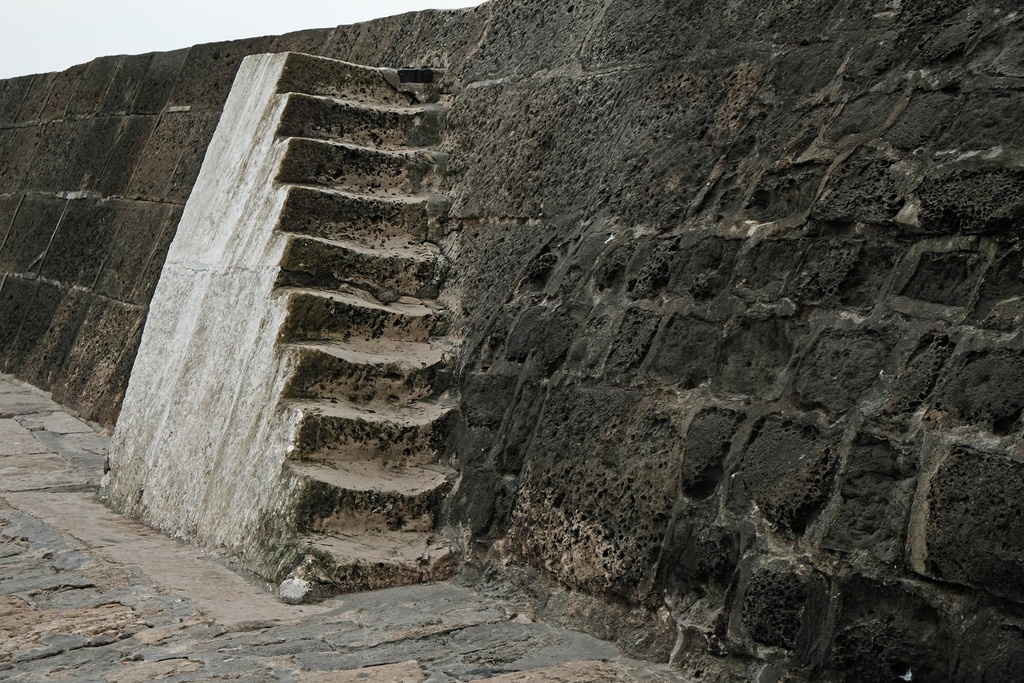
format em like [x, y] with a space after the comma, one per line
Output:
[96, 164]
[739, 290]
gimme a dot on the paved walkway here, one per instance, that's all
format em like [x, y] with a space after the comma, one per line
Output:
[87, 595]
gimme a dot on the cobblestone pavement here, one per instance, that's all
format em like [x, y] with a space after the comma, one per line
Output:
[87, 595]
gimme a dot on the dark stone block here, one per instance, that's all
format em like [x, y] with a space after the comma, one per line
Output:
[975, 523]
[125, 84]
[884, 632]
[864, 189]
[16, 150]
[843, 272]
[1001, 295]
[82, 242]
[768, 265]
[143, 291]
[93, 87]
[592, 509]
[158, 83]
[703, 267]
[523, 419]
[787, 470]
[46, 360]
[64, 87]
[137, 230]
[708, 442]
[610, 271]
[38, 94]
[984, 388]
[72, 153]
[39, 308]
[993, 649]
[839, 368]
[650, 270]
[686, 352]
[172, 156]
[862, 116]
[106, 333]
[636, 333]
[30, 234]
[486, 397]
[209, 70]
[109, 406]
[755, 354]
[15, 300]
[774, 606]
[699, 552]
[13, 92]
[917, 380]
[541, 336]
[126, 154]
[986, 120]
[9, 204]
[192, 156]
[924, 118]
[788, 192]
[875, 496]
[947, 278]
[973, 201]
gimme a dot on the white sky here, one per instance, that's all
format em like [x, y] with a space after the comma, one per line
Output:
[51, 35]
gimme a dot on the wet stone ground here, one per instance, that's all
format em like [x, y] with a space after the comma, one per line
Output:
[86, 595]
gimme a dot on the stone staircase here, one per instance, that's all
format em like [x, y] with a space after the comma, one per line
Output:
[363, 330]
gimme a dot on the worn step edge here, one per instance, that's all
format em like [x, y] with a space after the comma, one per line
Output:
[356, 497]
[387, 273]
[317, 315]
[303, 73]
[367, 371]
[358, 168]
[343, 431]
[346, 121]
[338, 563]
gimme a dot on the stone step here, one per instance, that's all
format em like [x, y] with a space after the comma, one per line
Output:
[367, 372]
[380, 222]
[346, 563]
[364, 170]
[315, 315]
[377, 126]
[333, 78]
[386, 273]
[338, 432]
[368, 496]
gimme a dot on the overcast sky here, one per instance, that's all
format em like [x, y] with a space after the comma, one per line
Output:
[51, 35]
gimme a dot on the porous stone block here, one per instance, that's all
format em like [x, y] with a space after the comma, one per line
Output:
[984, 388]
[687, 351]
[947, 278]
[921, 373]
[875, 495]
[136, 231]
[72, 153]
[1001, 295]
[636, 333]
[64, 87]
[755, 355]
[864, 189]
[161, 74]
[209, 70]
[17, 146]
[787, 471]
[94, 85]
[703, 267]
[974, 523]
[594, 516]
[172, 157]
[887, 631]
[126, 154]
[35, 100]
[839, 368]
[125, 84]
[978, 200]
[30, 234]
[708, 442]
[12, 95]
[777, 605]
[37, 301]
[81, 242]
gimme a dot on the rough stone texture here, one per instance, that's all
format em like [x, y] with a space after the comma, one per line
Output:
[119, 142]
[803, 214]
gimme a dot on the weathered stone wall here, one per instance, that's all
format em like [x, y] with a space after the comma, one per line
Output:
[740, 289]
[96, 164]
[741, 285]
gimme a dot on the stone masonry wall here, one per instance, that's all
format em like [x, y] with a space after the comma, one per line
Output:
[96, 164]
[740, 289]
[742, 292]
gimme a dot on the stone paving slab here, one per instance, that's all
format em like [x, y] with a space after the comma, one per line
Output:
[87, 595]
